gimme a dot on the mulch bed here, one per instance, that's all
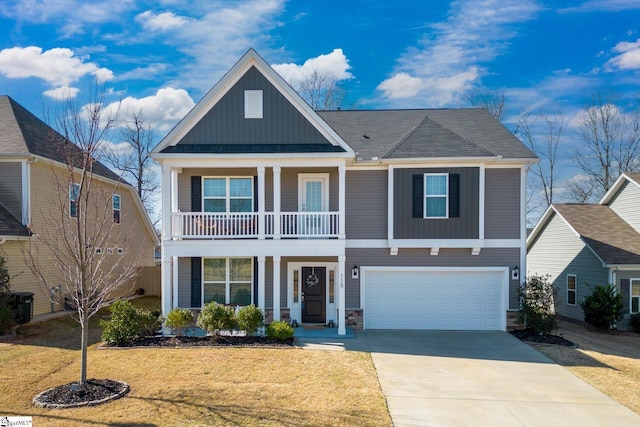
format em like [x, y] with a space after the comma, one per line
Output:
[535, 337]
[209, 341]
[92, 392]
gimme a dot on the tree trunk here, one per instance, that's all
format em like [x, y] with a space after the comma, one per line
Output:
[84, 344]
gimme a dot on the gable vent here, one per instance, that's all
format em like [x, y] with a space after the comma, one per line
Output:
[252, 104]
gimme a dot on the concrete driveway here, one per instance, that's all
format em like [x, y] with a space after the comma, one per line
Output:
[444, 378]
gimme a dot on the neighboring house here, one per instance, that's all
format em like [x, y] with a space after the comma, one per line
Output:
[584, 245]
[30, 159]
[368, 219]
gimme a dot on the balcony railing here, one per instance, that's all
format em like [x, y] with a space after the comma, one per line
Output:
[210, 225]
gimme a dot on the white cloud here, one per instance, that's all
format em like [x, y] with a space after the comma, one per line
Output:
[163, 110]
[161, 21]
[448, 60]
[149, 72]
[334, 66]
[602, 6]
[59, 67]
[628, 57]
[61, 93]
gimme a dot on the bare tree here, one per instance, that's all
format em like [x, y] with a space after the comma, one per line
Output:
[70, 245]
[543, 134]
[134, 162]
[581, 189]
[610, 143]
[491, 101]
[320, 91]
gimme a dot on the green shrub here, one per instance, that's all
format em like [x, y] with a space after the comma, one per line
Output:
[178, 319]
[250, 319]
[537, 304]
[128, 323]
[280, 330]
[215, 316]
[603, 308]
[7, 315]
[635, 322]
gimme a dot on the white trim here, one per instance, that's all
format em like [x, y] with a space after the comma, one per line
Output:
[523, 223]
[454, 243]
[342, 314]
[247, 161]
[390, 205]
[113, 209]
[324, 178]
[239, 248]
[342, 202]
[276, 287]
[175, 278]
[425, 196]
[261, 283]
[631, 296]
[261, 201]
[367, 167]
[166, 278]
[505, 283]
[227, 197]
[26, 192]
[253, 104]
[575, 291]
[277, 203]
[227, 278]
[295, 309]
[615, 188]
[481, 200]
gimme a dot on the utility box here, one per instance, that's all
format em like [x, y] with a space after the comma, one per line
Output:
[23, 306]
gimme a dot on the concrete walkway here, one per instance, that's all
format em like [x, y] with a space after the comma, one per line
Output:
[443, 378]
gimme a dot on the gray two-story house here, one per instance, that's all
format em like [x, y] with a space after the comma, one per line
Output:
[387, 219]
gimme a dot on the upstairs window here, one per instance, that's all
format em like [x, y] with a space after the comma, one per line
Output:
[74, 194]
[227, 195]
[436, 198]
[115, 199]
[572, 289]
[252, 104]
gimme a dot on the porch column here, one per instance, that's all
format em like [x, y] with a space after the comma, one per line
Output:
[276, 202]
[166, 203]
[276, 287]
[261, 283]
[342, 168]
[261, 202]
[174, 189]
[174, 281]
[166, 276]
[342, 318]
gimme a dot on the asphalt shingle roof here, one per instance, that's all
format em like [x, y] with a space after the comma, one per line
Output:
[635, 176]
[608, 235]
[22, 133]
[464, 132]
[10, 225]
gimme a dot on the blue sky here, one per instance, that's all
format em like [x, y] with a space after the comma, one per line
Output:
[162, 56]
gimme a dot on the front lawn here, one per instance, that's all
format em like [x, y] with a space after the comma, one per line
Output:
[192, 386]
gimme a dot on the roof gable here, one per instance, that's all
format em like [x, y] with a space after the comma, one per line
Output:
[625, 178]
[218, 119]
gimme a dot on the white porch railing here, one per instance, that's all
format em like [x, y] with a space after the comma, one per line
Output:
[210, 225]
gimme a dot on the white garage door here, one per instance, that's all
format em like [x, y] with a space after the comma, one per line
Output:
[460, 299]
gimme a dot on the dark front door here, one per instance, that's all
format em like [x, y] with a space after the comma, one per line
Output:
[313, 294]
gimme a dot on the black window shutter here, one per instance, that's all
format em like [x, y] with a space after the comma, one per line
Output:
[196, 282]
[255, 194]
[196, 194]
[625, 284]
[418, 196]
[454, 195]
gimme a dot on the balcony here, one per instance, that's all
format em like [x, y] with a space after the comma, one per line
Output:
[210, 225]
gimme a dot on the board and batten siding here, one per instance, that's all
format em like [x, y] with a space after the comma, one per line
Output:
[559, 252]
[11, 187]
[463, 227]
[626, 205]
[488, 257]
[366, 204]
[502, 204]
[225, 123]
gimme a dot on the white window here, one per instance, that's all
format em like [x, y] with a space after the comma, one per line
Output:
[572, 289]
[227, 195]
[252, 104]
[74, 194]
[115, 199]
[635, 295]
[228, 280]
[436, 195]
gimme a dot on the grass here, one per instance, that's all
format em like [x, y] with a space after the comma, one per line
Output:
[192, 386]
[609, 362]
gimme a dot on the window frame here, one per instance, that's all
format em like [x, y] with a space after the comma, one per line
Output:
[632, 296]
[119, 210]
[575, 290]
[227, 279]
[426, 196]
[227, 196]
[74, 203]
[253, 104]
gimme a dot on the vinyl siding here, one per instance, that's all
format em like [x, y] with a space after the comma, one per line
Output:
[366, 204]
[184, 181]
[184, 282]
[130, 235]
[225, 124]
[622, 275]
[508, 257]
[558, 252]
[626, 204]
[289, 180]
[464, 227]
[11, 187]
[502, 204]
